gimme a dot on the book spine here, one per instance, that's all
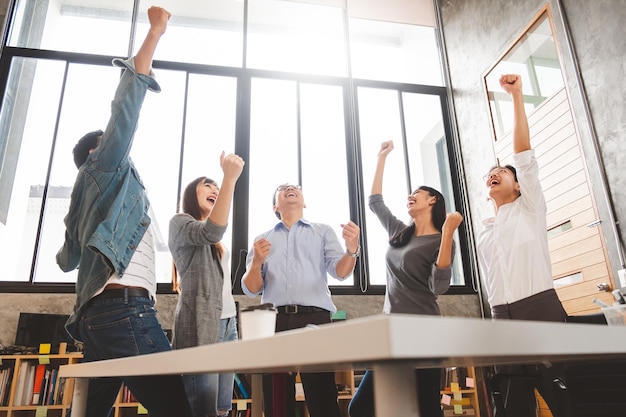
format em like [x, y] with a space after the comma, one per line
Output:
[242, 388]
[40, 371]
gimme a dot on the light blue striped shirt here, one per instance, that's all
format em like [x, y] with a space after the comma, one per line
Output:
[295, 271]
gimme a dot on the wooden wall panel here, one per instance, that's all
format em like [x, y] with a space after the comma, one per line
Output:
[568, 198]
[584, 289]
[564, 187]
[560, 215]
[579, 231]
[551, 167]
[576, 249]
[566, 171]
[577, 263]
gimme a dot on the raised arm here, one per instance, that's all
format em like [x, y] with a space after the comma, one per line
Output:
[232, 165]
[512, 84]
[453, 220]
[252, 279]
[158, 18]
[377, 183]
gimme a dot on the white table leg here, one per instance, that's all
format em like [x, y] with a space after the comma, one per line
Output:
[395, 390]
[79, 398]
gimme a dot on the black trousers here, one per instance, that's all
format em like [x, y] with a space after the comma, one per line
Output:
[513, 387]
[320, 389]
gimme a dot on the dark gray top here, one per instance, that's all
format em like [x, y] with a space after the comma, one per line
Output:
[413, 279]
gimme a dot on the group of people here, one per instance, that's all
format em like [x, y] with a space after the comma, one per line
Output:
[108, 239]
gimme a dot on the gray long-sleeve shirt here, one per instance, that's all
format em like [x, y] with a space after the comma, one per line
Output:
[199, 309]
[413, 279]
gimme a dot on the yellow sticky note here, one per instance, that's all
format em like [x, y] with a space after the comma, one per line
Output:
[141, 409]
[458, 396]
[445, 399]
[469, 382]
[242, 404]
[454, 386]
[44, 360]
[41, 412]
[44, 348]
[458, 409]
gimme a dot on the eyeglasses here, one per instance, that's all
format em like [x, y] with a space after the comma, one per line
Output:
[497, 171]
[285, 187]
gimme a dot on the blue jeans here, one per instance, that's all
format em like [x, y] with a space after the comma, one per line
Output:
[428, 394]
[228, 333]
[212, 394]
[120, 327]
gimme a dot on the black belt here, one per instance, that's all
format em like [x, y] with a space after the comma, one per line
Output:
[123, 293]
[297, 309]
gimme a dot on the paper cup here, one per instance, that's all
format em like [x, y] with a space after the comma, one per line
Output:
[258, 321]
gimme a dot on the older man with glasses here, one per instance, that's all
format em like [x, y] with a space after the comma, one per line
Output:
[288, 265]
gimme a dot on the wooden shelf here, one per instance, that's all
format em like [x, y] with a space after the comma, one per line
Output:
[469, 403]
[13, 363]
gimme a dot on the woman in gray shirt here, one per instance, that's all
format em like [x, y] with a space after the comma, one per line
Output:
[418, 267]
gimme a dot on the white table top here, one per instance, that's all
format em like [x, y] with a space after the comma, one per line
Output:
[424, 341]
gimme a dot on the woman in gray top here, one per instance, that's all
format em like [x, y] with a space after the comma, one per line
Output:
[194, 240]
[418, 266]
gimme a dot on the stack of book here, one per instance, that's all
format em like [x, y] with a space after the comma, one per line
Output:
[38, 384]
[6, 376]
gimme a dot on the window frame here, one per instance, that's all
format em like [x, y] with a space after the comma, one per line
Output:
[240, 233]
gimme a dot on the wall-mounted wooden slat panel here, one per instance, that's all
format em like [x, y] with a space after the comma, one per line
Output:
[580, 290]
[577, 249]
[576, 264]
[566, 171]
[569, 211]
[565, 186]
[585, 304]
[568, 198]
[550, 167]
[579, 231]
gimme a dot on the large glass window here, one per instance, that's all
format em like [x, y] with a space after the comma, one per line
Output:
[298, 137]
[213, 27]
[414, 123]
[536, 59]
[278, 91]
[394, 52]
[296, 37]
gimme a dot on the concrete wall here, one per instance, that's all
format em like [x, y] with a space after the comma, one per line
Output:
[478, 32]
[354, 305]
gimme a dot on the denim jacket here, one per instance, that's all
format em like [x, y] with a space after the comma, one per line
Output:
[108, 212]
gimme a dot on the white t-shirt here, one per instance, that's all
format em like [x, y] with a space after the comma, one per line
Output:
[229, 309]
[141, 269]
[513, 246]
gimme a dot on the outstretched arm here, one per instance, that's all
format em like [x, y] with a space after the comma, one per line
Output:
[377, 183]
[512, 84]
[158, 18]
